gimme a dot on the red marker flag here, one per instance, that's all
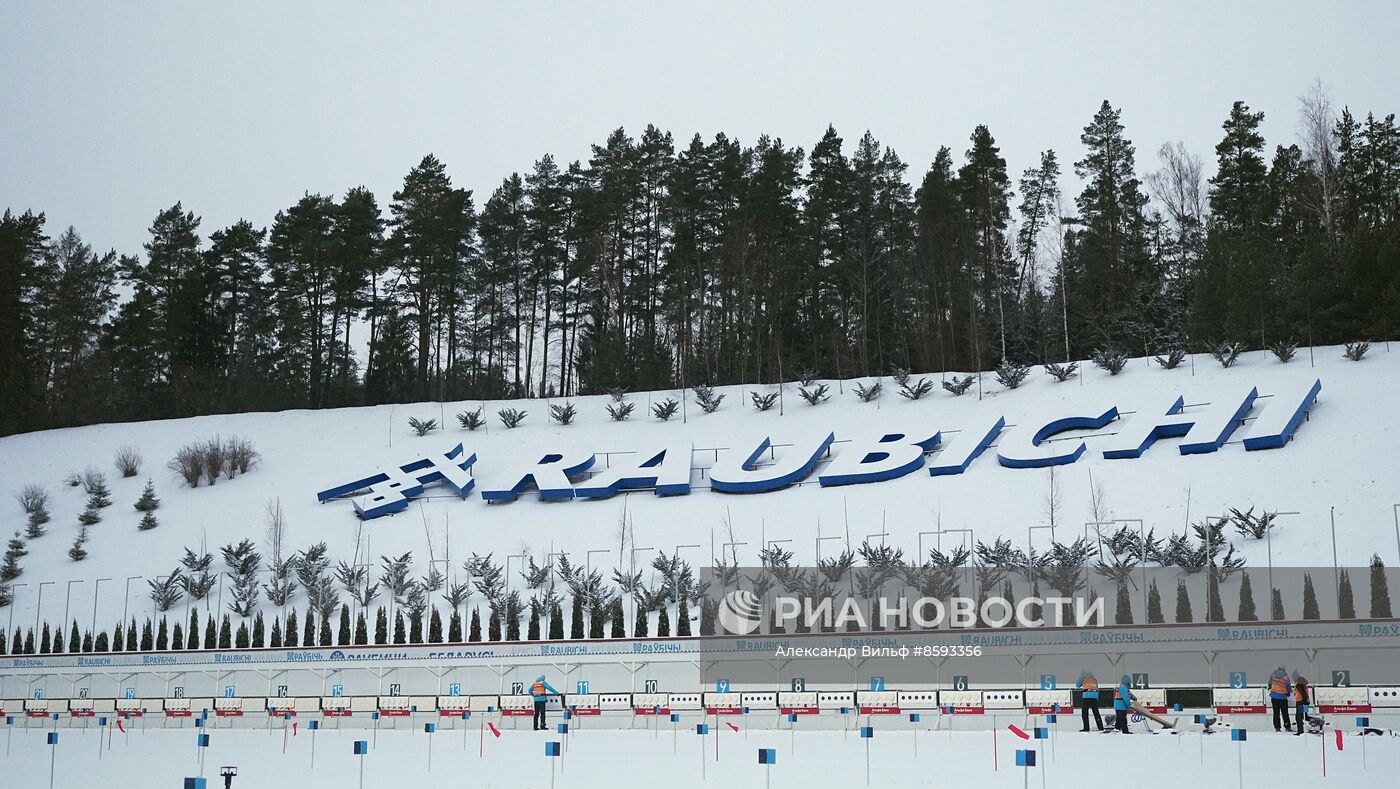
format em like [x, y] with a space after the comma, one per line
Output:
[294, 729]
[731, 726]
[120, 727]
[494, 730]
[1016, 731]
[1339, 739]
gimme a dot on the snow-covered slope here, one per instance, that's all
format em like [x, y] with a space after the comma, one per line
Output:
[1346, 456]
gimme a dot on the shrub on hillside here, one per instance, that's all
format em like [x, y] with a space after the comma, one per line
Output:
[128, 462]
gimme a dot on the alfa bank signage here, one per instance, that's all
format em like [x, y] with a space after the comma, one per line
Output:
[666, 469]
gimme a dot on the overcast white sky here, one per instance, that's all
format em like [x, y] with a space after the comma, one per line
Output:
[111, 111]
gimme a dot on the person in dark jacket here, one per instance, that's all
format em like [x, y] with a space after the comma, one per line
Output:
[1302, 696]
[1279, 691]
[540, 691]
[1088, 684]
[1123, 704]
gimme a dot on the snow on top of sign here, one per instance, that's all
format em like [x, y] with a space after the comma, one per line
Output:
[1343, 457]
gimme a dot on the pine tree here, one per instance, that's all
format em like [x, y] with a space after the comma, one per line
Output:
[454, 627]
[663, 622]
[147, 637]
[193, 629]
[576, 628]
[1215, 606]
[1123, 606]
[683, 616]
[225, 633]
[1310, 610]
[118, 642]
[1154, 605]
[78, 553]
[1276, 605]
[102, 645]
[45, 642]
[132, 639]
[211, 634]
[381, 627]
[617, 627]
[308, 628]
[1247, 612]
[435, 627]
[474, 628]
[324, 631]
[1346, 603]
[512, 619]
[361, 631]
[29, 641]
[148, 522]
[289, 636]
[1380, 590]
[597, 619]
[14, 551]
[257, 633]
[240, 637]
[1183, 603]
[532, 630]
[493, 625]
[342, 632]
[162, 636]
[148, 501]
[556, 623]
[75, 642]
[177, 636]
[274, 640]
[400, 637]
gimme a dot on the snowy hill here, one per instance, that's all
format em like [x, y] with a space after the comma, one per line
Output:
[1345, 456]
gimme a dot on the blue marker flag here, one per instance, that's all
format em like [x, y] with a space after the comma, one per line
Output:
[845, 710]
[702, 728]
[313, 725]
[53, 738]
[429, 728]
[466, 714]
[1363, 721]
[867, 732]
[1025, 758]
[361, 747]
[948, 709]
[374, 716]
[675, 717]
[202, 740]
[102, 721]
[551, 749]
[562, 728]
[1239, 735]
[914, 717]
[792, 717]
[767, 756]
[195, 783]
[9, 720]
[569, 713]
[1176, 707]
[1042, 733]
[744, 710]
[1199, 719]
[1051, 718]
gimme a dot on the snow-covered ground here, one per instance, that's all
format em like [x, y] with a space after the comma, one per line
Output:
[156, 759]
[1344, 459]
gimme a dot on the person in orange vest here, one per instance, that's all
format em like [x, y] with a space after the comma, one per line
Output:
[539, 691]
[1280, 688]
[1089, 699]
[1303, 699]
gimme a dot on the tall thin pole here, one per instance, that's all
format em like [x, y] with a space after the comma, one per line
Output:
[1336, 574]
[96, 588]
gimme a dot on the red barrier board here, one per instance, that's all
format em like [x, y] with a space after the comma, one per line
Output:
[724, 710]
[881, 710]
[394, 713]
[1241, 709]
[336, 713]
[228, 713]
[518, 713]
[651, 710]
[81, 713]
[799, 710]
[969, 710]
[179, 713]
[586, 711]
[1331, 709]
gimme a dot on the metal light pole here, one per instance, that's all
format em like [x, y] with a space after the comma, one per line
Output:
[40, 604]
[1210, 562]
[588, 559]
[632, 571]
[67, 599]
[967, 543]
[9, 629]
[1336, 573]
[733, 554]
[1030, 550]
[1395, 508]
[1269, 544]
[126, 598]
[1142, 538]
[96, 587]
[819, 546]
